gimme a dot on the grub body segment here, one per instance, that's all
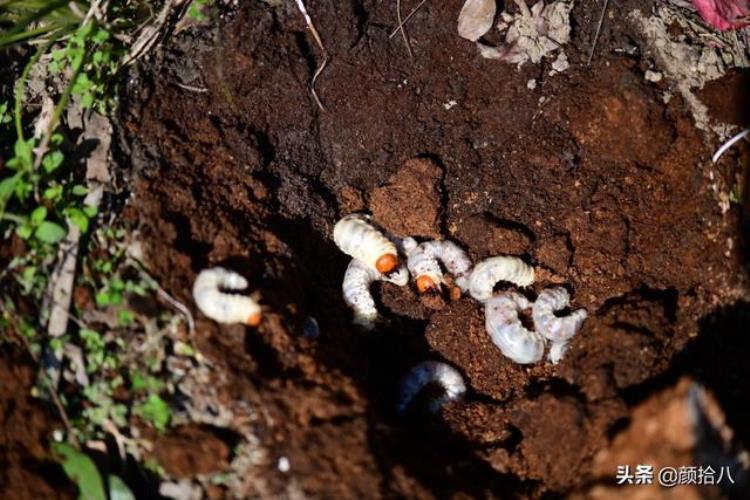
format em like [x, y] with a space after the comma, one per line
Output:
[423, 261]
[424, 374]
[489, 272]
[358, 280]
[210, 292]
[358, 238]
[504, 326]
[557, 329]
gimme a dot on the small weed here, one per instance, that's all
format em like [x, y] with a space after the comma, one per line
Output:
[196, 11]
[155, 411]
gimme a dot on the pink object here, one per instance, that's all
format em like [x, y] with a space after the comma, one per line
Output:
[724, 14]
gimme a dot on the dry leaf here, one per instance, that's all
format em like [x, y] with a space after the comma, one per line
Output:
[476, 18]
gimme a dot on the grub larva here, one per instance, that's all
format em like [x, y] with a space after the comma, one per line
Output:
[424, 374]
[213, 301]
[490, 271]
[356, 289]
[355, 236]
[506, 331]
[558, 330]
[423, 261]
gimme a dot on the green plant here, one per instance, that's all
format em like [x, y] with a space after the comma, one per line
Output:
[197, 9]
[155, 411]
[74, 51]
[81, 470]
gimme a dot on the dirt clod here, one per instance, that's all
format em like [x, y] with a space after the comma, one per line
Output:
[178, 454]
[416, 185]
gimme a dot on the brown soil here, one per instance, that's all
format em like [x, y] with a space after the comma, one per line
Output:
[601, 186]
[26, 469]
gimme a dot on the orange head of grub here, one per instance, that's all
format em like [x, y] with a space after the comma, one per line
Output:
[386, 263]
[254, 319]
[425, 284]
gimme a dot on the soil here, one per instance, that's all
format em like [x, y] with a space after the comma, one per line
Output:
[590, 177]
[26, 468]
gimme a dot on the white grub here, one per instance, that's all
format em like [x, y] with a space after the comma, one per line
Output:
[356, 237]
[220, 306]
[475, 18]
[490, 271]
[558, 330]
[423, 261]
[356, 289]
[424, 374]
[506, 331]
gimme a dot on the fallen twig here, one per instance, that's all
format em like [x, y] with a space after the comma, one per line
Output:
[191, 88]
[182, 308]
[60, 288]
[403, 29]
[406, 19]
[149, 35]
[598, 31]
[316, 37]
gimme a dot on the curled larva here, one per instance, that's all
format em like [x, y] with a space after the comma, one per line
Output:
[424, 374]
[559, 330]
[220, 306]
[356, 237]
[356, 289]
[487, 273]
[422, 261]
[506, 331]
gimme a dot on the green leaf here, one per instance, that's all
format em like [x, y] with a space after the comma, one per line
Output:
[49, 232]
[118, 490]
[92, 338]
[82, 84]
[90, 211]
[79, 190]
[103, 299]
[23, 150]
[28, 274]
[81, 470]
[77, 217]
[125, 317]
[5, 116]
[57, 54]
[100, 36]
[52, 161]
[7, 186]
[87, 100]
[117, 284]
[155, 411]
[38, 215]
[53, 193]
[25, 231]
